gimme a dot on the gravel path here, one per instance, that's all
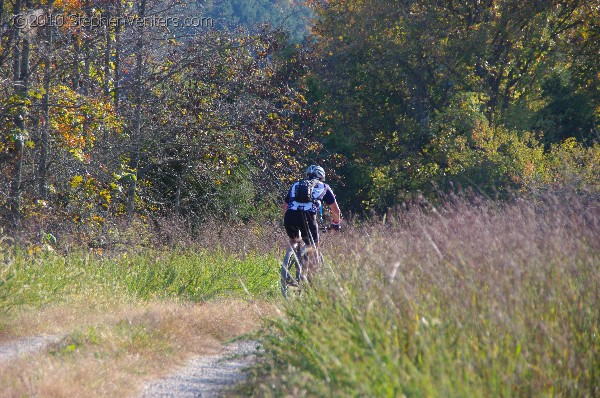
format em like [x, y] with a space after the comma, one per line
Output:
[25, 345]
[204, 376]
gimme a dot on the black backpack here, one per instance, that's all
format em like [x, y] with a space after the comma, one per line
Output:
[304, 190]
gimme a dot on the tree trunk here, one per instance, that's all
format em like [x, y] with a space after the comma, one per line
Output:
[45, 134]
[86, 83]
[107, 52]
[117, 76]
[178, 196]
[76, 72]
[21, 83]
[137, 119]
[107, 74]
[1, 12]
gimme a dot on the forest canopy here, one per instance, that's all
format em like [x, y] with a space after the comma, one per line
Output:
[427, 95]
[212, 120]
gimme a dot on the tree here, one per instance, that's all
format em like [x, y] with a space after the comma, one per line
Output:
[225, 115]
[392, 75]
[21, 51]
[291, 15]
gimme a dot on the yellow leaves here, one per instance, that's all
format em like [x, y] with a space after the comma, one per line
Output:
[88, 197]
[70, 5]
[97, 219]
[105, 195]
[569, 144]
[37, 94]
[76, 119]
[76, 181]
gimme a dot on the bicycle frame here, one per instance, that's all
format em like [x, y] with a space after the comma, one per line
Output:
[298, 258]
[290, 277]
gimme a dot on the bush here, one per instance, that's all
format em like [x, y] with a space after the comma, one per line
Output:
[495, 160]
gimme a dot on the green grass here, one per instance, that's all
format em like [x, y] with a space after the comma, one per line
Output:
[27, 279]
[465, 302]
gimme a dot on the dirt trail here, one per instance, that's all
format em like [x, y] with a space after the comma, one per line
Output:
[25, 345]
[202, 376]
[205, 376]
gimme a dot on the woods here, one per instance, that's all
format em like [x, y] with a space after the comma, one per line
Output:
[132, 118]
[110, 110]
[427, 95]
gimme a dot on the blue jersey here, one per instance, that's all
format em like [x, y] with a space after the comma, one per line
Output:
[321, 193]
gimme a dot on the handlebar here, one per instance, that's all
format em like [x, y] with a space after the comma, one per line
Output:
[330, 227]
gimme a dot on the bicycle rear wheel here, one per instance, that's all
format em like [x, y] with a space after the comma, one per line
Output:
[291, 271]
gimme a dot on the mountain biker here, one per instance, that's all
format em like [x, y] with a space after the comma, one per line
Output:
[300, 217]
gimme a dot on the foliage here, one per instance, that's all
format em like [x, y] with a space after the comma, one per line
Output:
[291, 15]
[119, 119]
[227, 119]
[467, 152]
[396, 79]
[568, 112]
[572, 163]
[497, 160]
[74, 119]
[103, 121]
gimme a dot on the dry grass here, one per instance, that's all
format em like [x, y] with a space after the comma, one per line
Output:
[112, 351]
[474, 298]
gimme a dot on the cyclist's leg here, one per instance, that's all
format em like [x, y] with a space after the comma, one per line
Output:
[293, 227]
[312, 241]
[293, 223]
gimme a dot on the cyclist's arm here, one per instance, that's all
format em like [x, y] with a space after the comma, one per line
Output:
[287, 200]
[335, 213]
[329, 199]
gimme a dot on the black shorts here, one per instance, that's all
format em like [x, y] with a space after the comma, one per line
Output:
[298, 222]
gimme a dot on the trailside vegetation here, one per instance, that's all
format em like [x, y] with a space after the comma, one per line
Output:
[473, 298]
[126, 118]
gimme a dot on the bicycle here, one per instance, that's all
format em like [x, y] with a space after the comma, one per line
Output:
[292, 267]
[295, 266]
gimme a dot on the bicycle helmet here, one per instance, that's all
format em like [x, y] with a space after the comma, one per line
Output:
[314, 171]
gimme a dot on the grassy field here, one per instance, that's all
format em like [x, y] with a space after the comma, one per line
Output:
[474, 299]
[148, 274]
[124, 318]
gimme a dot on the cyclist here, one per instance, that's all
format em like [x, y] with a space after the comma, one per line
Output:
[300, 215]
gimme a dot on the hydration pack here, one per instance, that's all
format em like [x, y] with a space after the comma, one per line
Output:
[304, 190]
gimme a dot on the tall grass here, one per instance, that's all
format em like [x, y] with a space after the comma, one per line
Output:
[472, 299]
